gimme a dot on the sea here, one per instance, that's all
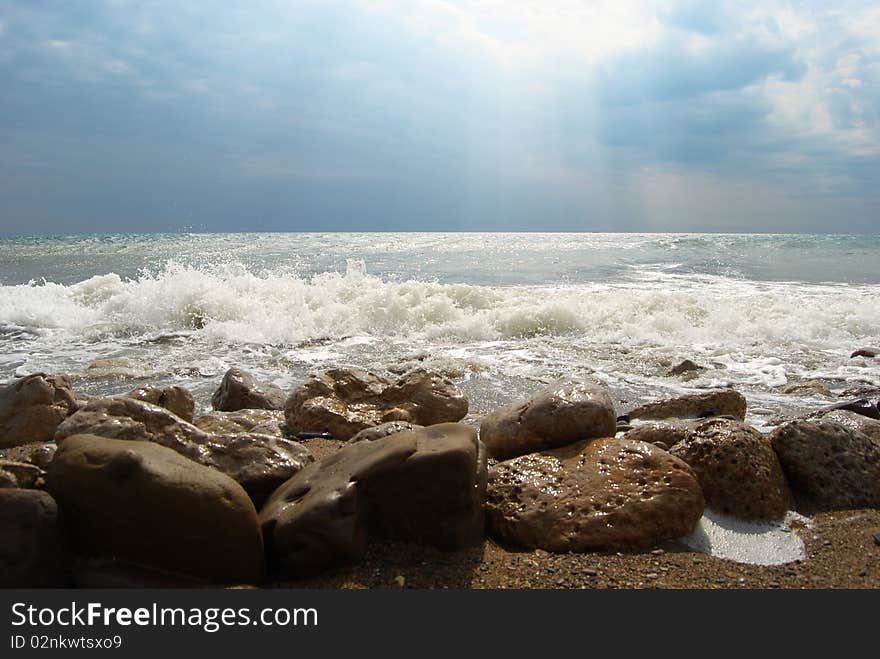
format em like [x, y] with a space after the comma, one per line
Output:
[500, 314]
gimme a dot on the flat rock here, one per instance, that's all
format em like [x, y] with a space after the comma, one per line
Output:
[737, 469]
[258, 462]
[425, 486]
[176, 399]
[861, 406]
[32, 407]
[344, 401]
[141, 502]
[383, 430]
[834, 465]
[603, 494]
[239, 390]
[33, 543]
[566, 411]
[719, 402]
[263, 422]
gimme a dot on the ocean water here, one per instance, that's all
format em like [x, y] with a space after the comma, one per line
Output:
[500, 314]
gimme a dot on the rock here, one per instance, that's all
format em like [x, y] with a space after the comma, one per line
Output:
[176, 399]
[344, 401]
[141, 502]
[686, 366]
[566, 411]
[853, 421]
[7, 480]
[259, 462]
[604, 494]
[865, 352]
[835, 466]
[806, 388]
[263, 422]
[383, 430]
[425, 486]
[858, 405]
[668, 433]
[32, 407]
[719, 402]
[239, 390]
[737, 469]
[25, 475]
[33, 544]
[35, 453]
[90, 572]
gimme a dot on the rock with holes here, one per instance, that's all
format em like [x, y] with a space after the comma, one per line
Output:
[425, 486]
[833, 465]
[603, 494]
[32, 407]
[854, 421]
[262, 422]
[721, 402]
[344, 401]
[33, 542]
[566, 411]
[239, 390]
[176, 399]
[737, 469]
[383, 430]
[141, 502]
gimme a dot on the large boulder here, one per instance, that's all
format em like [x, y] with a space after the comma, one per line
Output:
[239, 390]
[33, 543]
[737, 469]
[566, 411]
[262, 422]
[259, 462]
[145, 503]
[425, 486]
[835, 466]
[720, 402]
[32, 407]
[178, 400]
[344, 401]
[601, 494]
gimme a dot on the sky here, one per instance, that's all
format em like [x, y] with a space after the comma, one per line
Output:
[439, 115]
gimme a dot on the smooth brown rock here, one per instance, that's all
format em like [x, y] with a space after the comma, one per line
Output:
[32, 407]
[833, 465]
[263, 422]
[141, 502]
[603, 494]
[33, 543]
[239, 390]
[720, 402]
[566, 411]
[854, 421]
[807, 388]
[737, 469]
[425, 486]
[383, 430]
[344, 401]
[259, 462]
[175, 399]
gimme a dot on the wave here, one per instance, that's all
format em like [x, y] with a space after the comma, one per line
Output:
[230, 304]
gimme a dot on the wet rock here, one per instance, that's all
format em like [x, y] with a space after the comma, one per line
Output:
[566, 411]
[861, 406]
[807, 388]
[668, 433]
[35, 453]
[239, 390]
[866, 352]
[344, 401]
[258, 462]
[25, 475]
[719, 402]
[141, 502]
[33, 544]
[32, 407]
[425, 486]
[737, 469]
[687, 366]
[835, 466]
[853, 421]
[383, 430]
[603, 494]
[263, 422]
[176, 399]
